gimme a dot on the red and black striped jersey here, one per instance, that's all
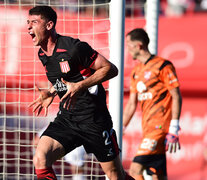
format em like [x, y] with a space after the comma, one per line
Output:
[71, 60]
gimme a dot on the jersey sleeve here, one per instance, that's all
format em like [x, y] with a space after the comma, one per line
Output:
[85, 54]
[169, 77]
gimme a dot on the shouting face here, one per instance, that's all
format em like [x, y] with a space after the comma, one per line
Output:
[38, 29]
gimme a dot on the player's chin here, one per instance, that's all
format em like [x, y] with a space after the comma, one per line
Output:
[36, 43]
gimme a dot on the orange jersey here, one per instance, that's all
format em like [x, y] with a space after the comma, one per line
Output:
[152, 82]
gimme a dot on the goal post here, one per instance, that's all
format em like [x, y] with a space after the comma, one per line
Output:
[116, 42]
[152, 19]
[117, 36]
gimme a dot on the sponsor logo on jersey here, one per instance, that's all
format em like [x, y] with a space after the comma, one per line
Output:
[64, 66]
[60, 86]
[145, 96]
[141, 87]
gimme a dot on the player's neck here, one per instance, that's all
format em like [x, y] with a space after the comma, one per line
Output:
[144, 56]
[49, 46]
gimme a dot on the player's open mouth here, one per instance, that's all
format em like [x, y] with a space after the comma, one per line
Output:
[32, 35]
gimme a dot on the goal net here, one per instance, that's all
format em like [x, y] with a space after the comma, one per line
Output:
[21, 70]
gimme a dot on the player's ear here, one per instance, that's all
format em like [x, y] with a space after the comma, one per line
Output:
[49, 25]
[140, 44]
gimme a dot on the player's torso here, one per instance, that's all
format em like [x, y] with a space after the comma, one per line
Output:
[153, 96]
[61, 64]
[64, 64]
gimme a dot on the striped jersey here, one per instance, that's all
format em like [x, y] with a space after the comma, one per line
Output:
[72, 60]
[152, 82]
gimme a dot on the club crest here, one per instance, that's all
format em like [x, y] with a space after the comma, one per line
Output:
[64, 66]
[147, 74]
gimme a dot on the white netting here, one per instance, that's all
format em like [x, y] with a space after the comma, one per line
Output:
[20, 70]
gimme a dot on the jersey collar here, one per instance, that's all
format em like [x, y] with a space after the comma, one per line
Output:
[150, 58]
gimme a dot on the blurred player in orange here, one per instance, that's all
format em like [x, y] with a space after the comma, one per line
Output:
[155, 85]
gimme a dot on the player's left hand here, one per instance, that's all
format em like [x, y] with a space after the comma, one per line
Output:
[172, 143]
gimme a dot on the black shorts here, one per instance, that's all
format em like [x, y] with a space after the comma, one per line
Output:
[154, 164]
[95, 133]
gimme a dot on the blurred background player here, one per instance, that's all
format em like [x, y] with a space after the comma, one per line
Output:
[155, 85]
[75, 158]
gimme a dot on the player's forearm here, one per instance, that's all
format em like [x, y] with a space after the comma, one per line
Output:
[103, 74]
[128, 114]
[176, 103]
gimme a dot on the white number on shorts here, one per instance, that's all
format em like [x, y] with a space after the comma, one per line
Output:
[106, 135]
[149, 144]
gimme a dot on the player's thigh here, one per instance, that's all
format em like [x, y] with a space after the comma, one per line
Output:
[135, 168]
[114, 167]
[49, 149]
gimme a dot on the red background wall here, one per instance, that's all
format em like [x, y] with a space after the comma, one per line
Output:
[181, 40]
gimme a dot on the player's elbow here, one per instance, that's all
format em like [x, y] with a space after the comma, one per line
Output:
[114, 70]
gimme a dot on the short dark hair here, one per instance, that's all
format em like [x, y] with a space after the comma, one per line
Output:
[46, 13]
[139, 34]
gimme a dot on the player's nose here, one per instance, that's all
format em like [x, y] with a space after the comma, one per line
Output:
[29, 25]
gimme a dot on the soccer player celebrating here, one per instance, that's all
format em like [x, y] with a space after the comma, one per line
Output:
[155, 85]
[76, 72]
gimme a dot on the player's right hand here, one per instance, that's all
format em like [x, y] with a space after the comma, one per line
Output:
[42, 102]
[70, 95]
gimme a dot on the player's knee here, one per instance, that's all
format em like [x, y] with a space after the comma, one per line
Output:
[39, 161]
[135, 172]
